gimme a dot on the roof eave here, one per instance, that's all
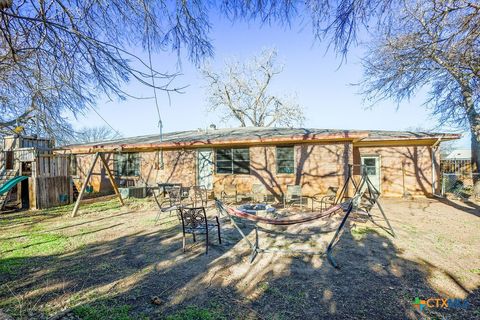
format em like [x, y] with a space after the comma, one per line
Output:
[442, 137]
[210, 143]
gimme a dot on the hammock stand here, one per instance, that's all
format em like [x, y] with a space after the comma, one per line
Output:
[364, 189]
[368, 199]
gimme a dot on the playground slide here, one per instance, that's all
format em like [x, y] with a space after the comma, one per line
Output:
[11, 183]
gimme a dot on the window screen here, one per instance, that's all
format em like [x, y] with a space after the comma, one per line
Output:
[233, 161]
[73, 165]
[370, 166]
[285, 160]
[127, 164]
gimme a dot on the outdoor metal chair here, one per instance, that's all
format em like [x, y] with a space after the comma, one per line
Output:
[229, 192]
[164, 187]
[293, 195]
[173, 201]
[198, 196]
[195, 221]
[326, 200]
[259, 193]
[184, 192]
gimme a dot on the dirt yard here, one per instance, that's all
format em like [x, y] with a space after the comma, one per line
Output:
[113, 262]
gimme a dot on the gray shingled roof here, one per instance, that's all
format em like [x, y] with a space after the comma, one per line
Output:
[459, 154]
[262, 133]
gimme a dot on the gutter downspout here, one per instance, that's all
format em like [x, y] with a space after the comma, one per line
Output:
[434, 172]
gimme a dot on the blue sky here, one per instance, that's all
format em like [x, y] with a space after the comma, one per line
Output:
[322, 85]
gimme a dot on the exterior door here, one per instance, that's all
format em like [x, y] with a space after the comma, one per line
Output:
[371, 165]
[9, 160]
[205, 168]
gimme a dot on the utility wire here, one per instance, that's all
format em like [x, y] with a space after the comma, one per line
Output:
[108, 124]
[160, 123]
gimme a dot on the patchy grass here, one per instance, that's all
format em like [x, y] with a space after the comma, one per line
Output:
[18, 219]
[16, 252]
[27, 237]
[102, 206]
[359, 233]
[58, 210]
[108, 263]
[196, 313]
[101, 312]
[111, 204]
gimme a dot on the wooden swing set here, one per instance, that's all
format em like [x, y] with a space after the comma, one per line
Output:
[101, 156]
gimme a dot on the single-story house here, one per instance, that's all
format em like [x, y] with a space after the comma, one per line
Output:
[459, 154]
[398, 162]
[457, 161]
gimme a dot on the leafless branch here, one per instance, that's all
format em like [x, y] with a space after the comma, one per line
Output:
[241, 92]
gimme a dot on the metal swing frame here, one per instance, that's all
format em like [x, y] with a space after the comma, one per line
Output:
[372, 195]
[348, 207]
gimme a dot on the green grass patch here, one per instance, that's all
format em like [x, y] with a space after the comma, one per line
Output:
[60, 210]
[23, 218]
[358, 233]
[112, 204]
[195, 313]
[99, 206]
[410, 229]
[263, 286]
[14, 253]
[475, 271]
[100, 312]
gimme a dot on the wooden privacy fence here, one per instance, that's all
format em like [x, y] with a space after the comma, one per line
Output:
[24, 154]
[52, 191]
[52, 165]
[52, 184]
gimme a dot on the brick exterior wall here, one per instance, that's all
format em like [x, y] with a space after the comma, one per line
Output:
[99, 179]
[415, 177]
[317, 166]
[179, 167]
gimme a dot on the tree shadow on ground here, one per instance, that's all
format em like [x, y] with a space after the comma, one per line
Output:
[374, 281]
[465, 206]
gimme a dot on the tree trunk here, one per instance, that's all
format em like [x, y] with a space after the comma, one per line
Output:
[474, 122]
[475, 140]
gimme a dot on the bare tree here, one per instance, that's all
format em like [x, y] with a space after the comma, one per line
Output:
[337, 21]
[241, 92]
[433, 44]
[61, 55]
[95, 134]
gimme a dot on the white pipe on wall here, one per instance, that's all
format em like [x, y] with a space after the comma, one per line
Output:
[434, 172]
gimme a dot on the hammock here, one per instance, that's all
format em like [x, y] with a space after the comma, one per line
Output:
[362, 189]
[284, 221]
[346, 206]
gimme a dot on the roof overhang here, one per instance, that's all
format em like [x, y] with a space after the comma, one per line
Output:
[132, 147]
[358, 138]
[430, 141]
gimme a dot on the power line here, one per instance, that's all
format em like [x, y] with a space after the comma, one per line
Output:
[160, 124]
[108, 124]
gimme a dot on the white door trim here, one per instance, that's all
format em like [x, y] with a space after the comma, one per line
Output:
[378, 168]
[198, 162]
